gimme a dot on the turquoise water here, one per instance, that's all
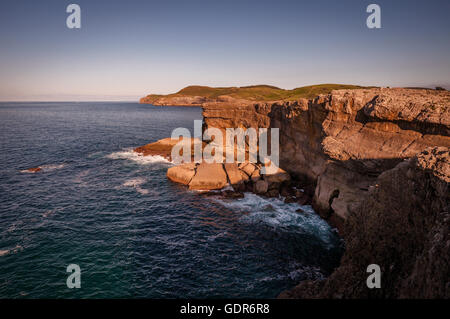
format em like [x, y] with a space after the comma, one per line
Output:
[133, 233]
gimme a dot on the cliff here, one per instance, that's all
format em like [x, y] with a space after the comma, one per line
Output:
[341, 142]
[402, 226]
[377, 163]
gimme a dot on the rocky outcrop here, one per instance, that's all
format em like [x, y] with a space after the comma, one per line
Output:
[164, 147]
[403, 226]
[208, 177]
[182, 174]
[342, 141]
[217, 176]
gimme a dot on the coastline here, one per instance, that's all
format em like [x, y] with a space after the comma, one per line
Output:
[351, 147]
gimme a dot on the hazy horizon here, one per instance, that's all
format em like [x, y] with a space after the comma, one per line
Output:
[127, 50]
[119, 99]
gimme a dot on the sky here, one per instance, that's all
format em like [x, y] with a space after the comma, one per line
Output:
[128, 49]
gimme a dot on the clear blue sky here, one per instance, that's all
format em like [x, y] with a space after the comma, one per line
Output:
[127, 49]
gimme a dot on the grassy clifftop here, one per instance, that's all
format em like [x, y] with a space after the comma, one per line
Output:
[253, 93]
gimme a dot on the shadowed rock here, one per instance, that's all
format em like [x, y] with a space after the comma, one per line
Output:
[402, 225]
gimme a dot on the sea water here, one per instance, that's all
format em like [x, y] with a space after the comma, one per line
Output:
[134, 234]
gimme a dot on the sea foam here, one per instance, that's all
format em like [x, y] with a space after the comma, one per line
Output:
[136, 184]
[130, 154]
[275, 213]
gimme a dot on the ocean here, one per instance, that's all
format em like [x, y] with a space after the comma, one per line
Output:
[133, 233]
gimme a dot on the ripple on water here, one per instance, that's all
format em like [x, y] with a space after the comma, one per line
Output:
[134, 234]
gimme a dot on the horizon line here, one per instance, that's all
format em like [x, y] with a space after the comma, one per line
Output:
[65, 101]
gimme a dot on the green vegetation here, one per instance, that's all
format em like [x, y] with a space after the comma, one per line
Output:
[257, 92]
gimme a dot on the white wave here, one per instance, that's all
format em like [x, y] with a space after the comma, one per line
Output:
[142, 191]
[130, 154]
[49, 212]
[310, 272]
[52, 167]
[27, 171]
[136, 184]
[277, 214]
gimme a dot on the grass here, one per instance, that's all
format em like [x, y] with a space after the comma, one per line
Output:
[257, 92]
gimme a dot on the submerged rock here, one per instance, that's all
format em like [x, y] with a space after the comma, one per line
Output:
[261, 187]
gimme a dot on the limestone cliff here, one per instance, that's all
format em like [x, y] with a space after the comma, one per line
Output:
[378, 163]
[342, 141]
[403, 226]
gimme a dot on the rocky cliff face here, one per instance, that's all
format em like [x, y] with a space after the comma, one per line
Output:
[403, 226]
[341, 142]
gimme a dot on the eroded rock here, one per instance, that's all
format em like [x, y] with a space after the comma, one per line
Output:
[182, 173]
[209, 177]
[164, 147]
[402, 225]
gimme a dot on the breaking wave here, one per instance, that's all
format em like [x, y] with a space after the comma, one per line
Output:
[130, 154]
[273, 212]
